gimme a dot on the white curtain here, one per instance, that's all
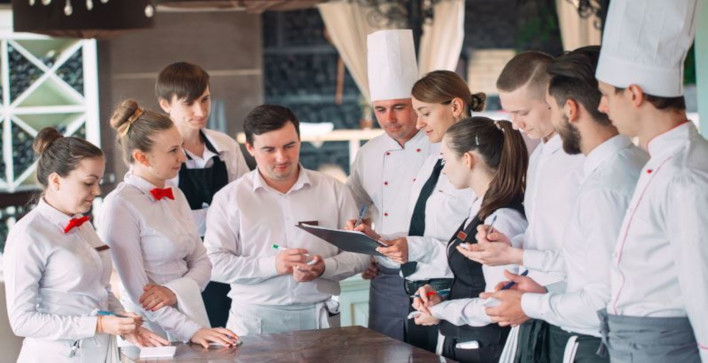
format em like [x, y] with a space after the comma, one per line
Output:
[575, 31]
[441, 43]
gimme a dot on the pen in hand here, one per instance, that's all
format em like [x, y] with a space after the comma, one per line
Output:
[107, 313]
[491, 225]
[311, 261]
[362, 211]
[511, 283]
[443, 292]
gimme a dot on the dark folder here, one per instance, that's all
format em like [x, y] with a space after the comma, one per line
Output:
[351, 241]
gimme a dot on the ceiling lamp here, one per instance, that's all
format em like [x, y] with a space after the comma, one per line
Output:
[82, 18]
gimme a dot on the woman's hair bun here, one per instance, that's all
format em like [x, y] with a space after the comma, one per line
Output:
[123, 112]
[44, 139]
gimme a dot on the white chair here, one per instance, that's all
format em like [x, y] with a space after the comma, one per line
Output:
[10, 344]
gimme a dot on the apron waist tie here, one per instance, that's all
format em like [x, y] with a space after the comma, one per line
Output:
[604, 332]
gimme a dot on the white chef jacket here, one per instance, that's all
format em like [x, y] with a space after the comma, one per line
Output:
[552, 184]
[382, 177]
[229, 152]
[247, 217]
[471, 311]
[55, 282]
[447, 207]
[156, 241]
[660, 263]
[610, 173]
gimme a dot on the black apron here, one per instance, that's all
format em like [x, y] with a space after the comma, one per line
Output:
[199, 186]
[469, 282]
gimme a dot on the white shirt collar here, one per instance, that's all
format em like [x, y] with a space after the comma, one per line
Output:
[603, 151]
[392, 144]
[302, 180]
[552, 145]
[667, 142]
[141, 184]
[54, 215]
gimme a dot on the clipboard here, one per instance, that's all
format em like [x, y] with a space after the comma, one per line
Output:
[350, 241]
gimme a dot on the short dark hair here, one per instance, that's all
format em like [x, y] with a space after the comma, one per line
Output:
[662, 103]
[526, 68]
[266, 118]
[573, 77]
[184, 80]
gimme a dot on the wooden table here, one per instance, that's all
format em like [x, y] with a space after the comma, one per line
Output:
[351, 344]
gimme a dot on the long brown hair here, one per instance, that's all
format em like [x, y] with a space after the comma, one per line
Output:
[502, 149]
[443, 86]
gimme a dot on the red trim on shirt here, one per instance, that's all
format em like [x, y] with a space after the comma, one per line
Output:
[626, 231]
[701, 346]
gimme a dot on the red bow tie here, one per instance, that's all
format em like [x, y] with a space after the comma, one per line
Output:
[75, 222]
[162, 193]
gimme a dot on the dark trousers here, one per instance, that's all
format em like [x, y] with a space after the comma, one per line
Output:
[533, 342]
[484, 354]
[424, 337]
[217, 303]
[586, 351]
[388, 304]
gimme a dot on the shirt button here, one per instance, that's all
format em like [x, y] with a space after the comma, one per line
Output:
[649, 171]
[417, 150]
[414, 180]
[385, 183]
[388, 153]
[385, 214]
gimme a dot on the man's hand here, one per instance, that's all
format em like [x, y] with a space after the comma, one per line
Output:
[364, 227]
[427, 298]
[397, 250]
[509, 311]
[372, 271]
[145, 338]
[426, 319]
[521, 283]
[493, 253]
[483, 235]
[306, 273]
[156, 297]
[287, 259]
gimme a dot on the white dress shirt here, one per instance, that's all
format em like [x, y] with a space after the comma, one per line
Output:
[552, 184]
[247, 217]
[55, 282]
[611, 171]
[471, 311]
[382, 177]
[447, 207]
[156, 241]
[229, 152]
[660, 263]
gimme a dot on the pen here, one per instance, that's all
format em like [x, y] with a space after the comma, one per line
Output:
[443, 292]
[491, 225]
[311, 262]
[106, 313]
[362, 211]
[511, 283]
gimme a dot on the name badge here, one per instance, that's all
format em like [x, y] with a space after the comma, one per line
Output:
[461, 235]
[102, 248]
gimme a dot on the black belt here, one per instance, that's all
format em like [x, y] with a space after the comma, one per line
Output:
[437, 284]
